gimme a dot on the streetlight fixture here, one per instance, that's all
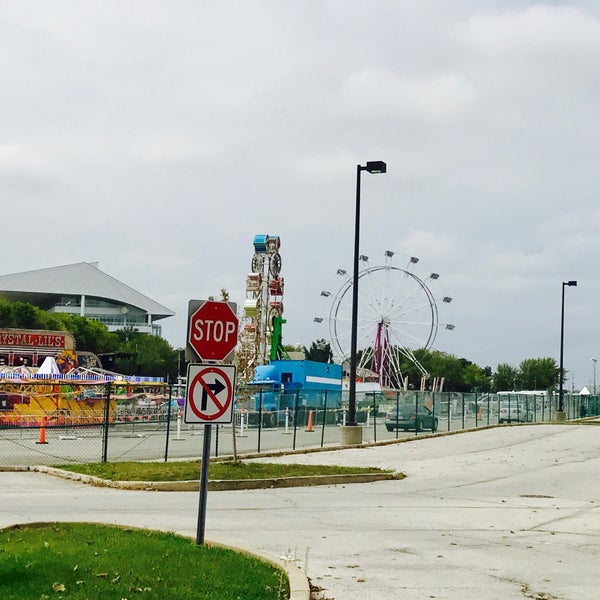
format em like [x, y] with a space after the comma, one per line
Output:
[594, 360]
[377, 166]
[561, 373]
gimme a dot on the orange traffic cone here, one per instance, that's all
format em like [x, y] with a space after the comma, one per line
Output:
[309, 427]
[42, 439]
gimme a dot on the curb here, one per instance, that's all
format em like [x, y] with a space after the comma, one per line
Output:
[218, 484]
[299, 584]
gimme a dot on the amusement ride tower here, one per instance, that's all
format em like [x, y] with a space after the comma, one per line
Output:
[263, 307]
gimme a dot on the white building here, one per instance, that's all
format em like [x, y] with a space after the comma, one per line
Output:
[83, 289]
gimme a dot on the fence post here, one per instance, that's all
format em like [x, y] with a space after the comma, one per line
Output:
[260, 407]
[374, 418]
[242, 413]
[416, 413]
[106, 415]
[295, 417]
[397, 409]
[168, 424]
[324, 417]
[178, 436]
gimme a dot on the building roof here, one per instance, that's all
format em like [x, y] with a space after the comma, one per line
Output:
[77, 279]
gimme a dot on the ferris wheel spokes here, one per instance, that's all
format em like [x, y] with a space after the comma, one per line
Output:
[397, 313]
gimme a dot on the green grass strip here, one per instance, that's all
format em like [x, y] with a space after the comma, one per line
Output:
[81, 561]
[190, 470]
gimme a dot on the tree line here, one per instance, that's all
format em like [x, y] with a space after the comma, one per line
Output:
[462, 375]
[126, 351]
[129, 352]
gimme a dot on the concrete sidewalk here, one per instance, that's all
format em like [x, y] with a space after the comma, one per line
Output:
[504, 513]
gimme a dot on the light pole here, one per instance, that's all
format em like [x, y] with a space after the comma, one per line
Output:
[561, 373]
[594, 360]
[377, 166]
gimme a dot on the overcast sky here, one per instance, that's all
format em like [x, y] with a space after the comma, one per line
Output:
[158, 138]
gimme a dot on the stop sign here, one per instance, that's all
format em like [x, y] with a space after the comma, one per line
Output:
[212, 330]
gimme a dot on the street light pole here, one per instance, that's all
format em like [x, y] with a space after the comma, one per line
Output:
[371, 167]
[594, 360]
[561, 375]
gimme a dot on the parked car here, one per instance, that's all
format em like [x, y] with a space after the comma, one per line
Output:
[405, 417]
[514, 412]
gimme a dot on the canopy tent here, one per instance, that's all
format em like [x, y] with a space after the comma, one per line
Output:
[49, 367]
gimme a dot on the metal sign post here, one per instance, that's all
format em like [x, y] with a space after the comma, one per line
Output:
[212, 336]
[203, 486]
[209, 399]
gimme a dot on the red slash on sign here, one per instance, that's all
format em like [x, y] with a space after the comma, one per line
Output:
[209, 397]
[213, 389]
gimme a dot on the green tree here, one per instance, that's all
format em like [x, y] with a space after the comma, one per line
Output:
[319, 351]
[293, 348]
[475, 378]
[506, 378]
[147, 355]
[409, 369]
[450, 368]
[7, 314]
[436, 364]
[28, 316]
[90, 335]
[538, 374]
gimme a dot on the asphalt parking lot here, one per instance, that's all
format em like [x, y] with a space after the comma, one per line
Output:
[505, 513]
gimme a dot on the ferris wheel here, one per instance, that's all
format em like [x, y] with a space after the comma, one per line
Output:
[397, 314]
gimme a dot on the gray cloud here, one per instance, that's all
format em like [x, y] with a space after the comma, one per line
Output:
[158, 139]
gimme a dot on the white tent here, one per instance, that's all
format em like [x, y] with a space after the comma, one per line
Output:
[49, 367]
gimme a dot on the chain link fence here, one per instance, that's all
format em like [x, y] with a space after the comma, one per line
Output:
[46, 424]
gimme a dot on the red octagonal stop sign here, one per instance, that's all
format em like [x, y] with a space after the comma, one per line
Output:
[212, 329]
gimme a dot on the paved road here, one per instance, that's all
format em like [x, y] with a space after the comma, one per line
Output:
[509, 513]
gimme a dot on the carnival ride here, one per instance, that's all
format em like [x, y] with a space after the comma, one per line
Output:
[29, 398]
[260, 329]
[398, 313]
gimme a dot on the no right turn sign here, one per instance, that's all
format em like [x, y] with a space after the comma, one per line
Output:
[209, 397]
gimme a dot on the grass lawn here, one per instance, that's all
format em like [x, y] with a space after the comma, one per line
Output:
[82, 561]
[190, 470]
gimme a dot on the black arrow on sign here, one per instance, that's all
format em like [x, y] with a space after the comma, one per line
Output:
[215, 388]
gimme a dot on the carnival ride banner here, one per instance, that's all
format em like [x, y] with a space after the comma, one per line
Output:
[30, 339]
